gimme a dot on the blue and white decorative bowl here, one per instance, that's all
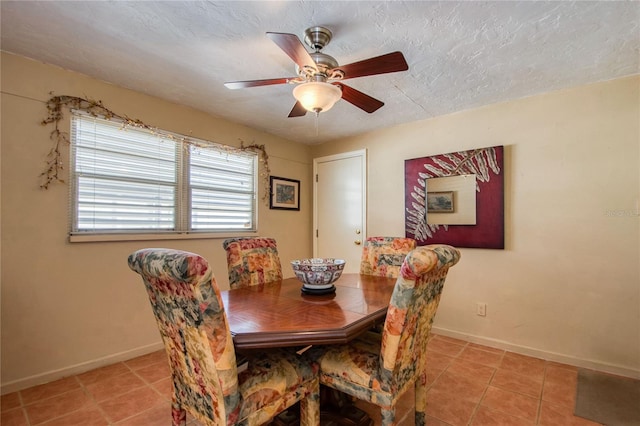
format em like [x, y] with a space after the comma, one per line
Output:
[318, 274]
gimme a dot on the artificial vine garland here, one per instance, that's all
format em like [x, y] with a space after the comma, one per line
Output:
[54, 164]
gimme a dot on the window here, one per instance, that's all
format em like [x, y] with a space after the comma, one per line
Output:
[132, 181]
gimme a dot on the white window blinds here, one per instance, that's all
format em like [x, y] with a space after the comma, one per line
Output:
[129, 180]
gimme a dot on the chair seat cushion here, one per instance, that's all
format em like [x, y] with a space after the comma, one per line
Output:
[353, 368]
[269, 376]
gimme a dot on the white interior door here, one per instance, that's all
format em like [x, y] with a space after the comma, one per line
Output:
[339, 207]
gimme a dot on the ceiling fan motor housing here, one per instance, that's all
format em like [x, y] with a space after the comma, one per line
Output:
[326, 68]
[317, 38]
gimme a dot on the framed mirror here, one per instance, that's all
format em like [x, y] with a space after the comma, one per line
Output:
[456, 198]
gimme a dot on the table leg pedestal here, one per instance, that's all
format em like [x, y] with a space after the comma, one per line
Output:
[336, 409]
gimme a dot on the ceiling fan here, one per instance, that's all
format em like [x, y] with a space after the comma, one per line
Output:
[319, 77]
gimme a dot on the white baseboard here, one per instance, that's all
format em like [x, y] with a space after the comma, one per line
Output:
[50, 376]
[537, 353]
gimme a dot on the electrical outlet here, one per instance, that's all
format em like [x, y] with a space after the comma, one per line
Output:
[481, 309]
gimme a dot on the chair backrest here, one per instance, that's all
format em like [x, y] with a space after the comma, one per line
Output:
[252, 261]
[186, 302]
[410, 314]
[383, 256]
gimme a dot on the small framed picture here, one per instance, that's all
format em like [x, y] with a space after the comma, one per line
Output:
[285, 193]
[440, 202]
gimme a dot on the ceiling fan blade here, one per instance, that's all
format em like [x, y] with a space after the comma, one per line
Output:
[359, 99]
[256, 83]
[298, 110]
[293, 47]
[391, 62]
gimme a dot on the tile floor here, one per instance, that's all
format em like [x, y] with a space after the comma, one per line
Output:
[469, 385]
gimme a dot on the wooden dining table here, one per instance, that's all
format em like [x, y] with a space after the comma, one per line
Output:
[278, 314]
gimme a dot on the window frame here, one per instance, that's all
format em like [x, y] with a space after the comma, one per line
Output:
[182, 210]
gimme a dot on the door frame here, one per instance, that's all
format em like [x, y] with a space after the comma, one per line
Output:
[362, 154]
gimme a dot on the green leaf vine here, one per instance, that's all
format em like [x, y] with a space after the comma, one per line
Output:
[54, 163]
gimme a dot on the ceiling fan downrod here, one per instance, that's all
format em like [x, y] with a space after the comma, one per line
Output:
[317, 37]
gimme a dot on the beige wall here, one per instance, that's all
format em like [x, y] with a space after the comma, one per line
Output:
[68, 307]
[567, 286]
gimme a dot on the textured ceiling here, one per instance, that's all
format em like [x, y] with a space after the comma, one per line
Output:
[461, 55]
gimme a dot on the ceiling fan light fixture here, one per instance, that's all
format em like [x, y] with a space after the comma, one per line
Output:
[316, 96]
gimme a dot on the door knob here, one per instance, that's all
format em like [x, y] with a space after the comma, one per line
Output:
[357, 242]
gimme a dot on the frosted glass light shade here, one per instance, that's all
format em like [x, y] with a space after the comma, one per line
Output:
[317, 96]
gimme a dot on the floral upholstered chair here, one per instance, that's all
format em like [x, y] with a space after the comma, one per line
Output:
[252, 261]
[383, 256]
[380, 368]
[186, 302]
